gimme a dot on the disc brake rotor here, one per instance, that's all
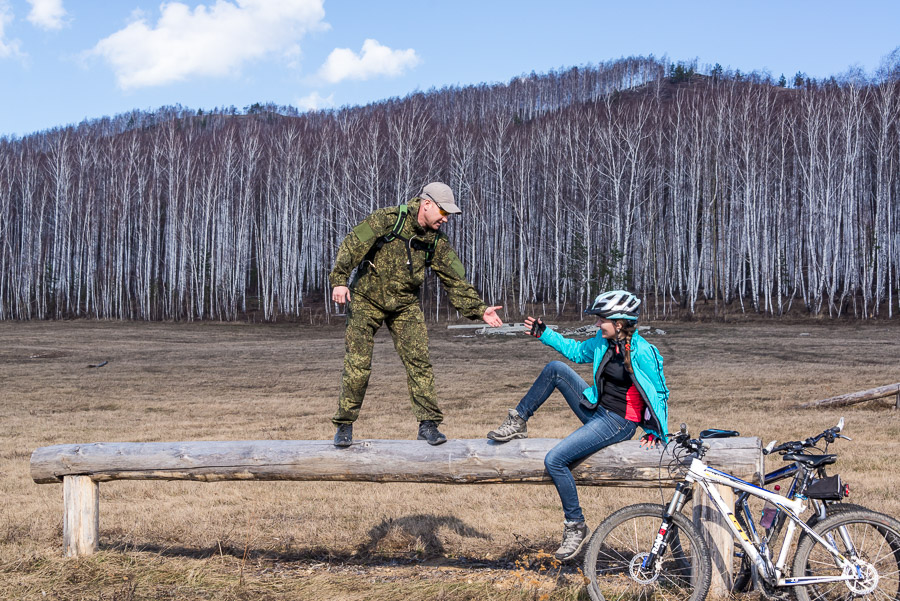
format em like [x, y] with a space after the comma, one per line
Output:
[865, 580]
[638, 574]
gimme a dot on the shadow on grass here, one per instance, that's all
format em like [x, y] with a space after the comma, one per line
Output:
[409, 539]
[417, 533]
[316, 555]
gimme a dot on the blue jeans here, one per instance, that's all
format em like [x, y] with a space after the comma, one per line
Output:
[601, 428]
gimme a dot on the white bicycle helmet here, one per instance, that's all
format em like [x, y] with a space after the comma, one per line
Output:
[616, 304]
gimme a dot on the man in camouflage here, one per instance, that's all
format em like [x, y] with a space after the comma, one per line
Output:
[385, 289]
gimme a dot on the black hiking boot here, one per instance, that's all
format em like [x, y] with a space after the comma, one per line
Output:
[428, 431]
[344, 435]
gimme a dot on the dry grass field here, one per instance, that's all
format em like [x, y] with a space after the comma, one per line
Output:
[298, 540]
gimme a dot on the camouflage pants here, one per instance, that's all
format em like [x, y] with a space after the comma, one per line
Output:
[407, 327]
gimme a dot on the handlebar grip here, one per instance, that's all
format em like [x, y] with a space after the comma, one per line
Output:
[786, 446]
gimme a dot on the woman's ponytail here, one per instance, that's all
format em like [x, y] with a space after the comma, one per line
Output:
[627, 331]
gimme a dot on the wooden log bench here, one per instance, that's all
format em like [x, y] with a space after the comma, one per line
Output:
[81, 467]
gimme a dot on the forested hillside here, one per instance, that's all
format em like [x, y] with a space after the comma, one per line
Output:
[720, 188]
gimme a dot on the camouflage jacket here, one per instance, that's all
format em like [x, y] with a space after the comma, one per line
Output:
[386, 280]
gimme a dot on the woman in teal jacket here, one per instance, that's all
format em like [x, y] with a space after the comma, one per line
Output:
[628, 390]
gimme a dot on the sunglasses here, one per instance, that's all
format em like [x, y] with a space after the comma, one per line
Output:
[442, 211]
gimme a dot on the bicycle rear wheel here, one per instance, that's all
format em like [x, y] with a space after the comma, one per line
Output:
[742, 577]
[874, 539]
[613, 558]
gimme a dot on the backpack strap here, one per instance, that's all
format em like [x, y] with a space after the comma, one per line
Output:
[398, 225]
[410, 243]
[427, 248]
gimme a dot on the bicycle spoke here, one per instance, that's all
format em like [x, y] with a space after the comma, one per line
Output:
[875, 544]
[622, 544]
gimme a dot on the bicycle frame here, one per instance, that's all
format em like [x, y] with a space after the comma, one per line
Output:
[706, 476]
[800, 476]
[774, 476]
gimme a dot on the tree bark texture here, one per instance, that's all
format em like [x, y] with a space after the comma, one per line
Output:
[81, 515]
[719, 538]
[855, 397]
[455, 462]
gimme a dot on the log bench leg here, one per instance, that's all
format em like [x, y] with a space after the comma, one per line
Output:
[81, 516]
[719, 539]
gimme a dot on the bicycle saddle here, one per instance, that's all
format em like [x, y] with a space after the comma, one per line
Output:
[811, 460]
[716, 433]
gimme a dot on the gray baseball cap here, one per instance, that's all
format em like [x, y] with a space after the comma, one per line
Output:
[442, 196]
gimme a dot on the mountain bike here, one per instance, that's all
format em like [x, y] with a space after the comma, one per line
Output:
[809, 480]
[653, 551]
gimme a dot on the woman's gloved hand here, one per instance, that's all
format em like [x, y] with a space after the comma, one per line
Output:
[536, 326]
[649, 441]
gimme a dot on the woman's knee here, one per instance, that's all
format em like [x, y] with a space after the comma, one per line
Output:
[555, 461]
[554, 368]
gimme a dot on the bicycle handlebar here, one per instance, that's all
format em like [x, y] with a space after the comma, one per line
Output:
[694, 445]
[793, 446]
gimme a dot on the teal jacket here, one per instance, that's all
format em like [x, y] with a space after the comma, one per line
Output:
[646, 362]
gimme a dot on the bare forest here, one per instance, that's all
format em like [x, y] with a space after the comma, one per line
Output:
[717, 188]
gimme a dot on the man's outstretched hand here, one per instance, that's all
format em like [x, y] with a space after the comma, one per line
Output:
[491, 318]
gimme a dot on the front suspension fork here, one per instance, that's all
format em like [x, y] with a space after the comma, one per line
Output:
[683, 492]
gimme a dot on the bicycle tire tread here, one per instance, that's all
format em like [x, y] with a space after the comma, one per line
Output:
[685, 526]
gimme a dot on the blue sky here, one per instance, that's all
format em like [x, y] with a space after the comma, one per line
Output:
[63, 61]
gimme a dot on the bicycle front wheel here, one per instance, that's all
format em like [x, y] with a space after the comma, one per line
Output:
[870, 540]
[617, 549]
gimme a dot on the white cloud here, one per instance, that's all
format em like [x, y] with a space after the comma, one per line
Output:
[8, 48]
[375, 59]
[47, 14]
[315, 101]
[207, 41]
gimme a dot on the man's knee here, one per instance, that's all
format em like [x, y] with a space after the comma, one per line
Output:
[357, 363]
[359, 341]
[358, 360]
[355, 380]
[417, 363]
[357, 370]
[414, 353]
